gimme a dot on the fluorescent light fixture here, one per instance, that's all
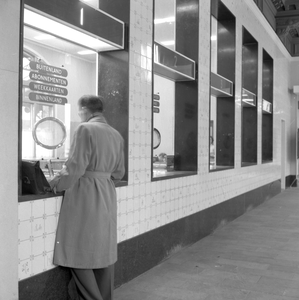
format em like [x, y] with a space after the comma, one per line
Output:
[167, 43]
[44, 37]
[164, 20]
[86, 52]
[213, 38]
[71, 34]
[81, 16]
[92, 3]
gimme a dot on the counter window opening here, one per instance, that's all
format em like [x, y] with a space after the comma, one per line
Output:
[222, 80]
[267, 108]
[175, 89]
[249, 99]
[57, 69]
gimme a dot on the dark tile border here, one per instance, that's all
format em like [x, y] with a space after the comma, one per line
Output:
[291, 181]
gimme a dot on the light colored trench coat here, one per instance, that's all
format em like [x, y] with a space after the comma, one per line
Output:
[87, 234]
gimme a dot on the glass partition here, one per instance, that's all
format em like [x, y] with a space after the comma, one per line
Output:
[175, 89]
[249, 99]
[56, 72]
[222, 78]
[165, 23]
[267, 108]
[164, 92]
[60, 63]
[52, 69]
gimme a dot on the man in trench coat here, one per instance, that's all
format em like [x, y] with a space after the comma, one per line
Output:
[86, 238]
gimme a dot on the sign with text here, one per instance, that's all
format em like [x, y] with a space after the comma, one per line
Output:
[48, 83]
[156, 97]
[46, 88]
[47, 98]
[47, 69]
[48, 79]
[156, 103]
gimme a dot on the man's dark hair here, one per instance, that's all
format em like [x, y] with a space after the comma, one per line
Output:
[92, 102]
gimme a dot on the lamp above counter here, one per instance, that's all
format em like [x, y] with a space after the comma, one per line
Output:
[76, 22]
[172, 64]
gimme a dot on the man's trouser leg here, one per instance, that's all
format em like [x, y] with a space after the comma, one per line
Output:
[94, 284]
[105, 280]
[86, 284]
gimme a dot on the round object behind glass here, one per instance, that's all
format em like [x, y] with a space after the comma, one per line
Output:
[156, 138]
[49, 133]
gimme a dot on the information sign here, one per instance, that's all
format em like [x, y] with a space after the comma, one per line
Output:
[46, 88]
[47, 69]
[48, 79]
[47, 98]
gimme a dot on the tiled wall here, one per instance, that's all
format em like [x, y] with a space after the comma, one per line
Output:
[37, 227]
[144, 205]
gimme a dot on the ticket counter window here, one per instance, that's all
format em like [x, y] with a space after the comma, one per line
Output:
[60, 63]
[222, 81]
[56, 72]
[175, 89]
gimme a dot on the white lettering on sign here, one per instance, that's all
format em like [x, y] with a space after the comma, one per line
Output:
[48, 69]
[50, 79]
[47, 98]
[47, 88]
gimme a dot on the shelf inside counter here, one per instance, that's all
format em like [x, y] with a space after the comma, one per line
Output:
[171, 174]
[220, 168]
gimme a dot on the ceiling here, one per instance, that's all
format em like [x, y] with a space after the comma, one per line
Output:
[286, 22]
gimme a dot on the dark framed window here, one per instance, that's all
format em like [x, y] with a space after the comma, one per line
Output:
[267, 108]
[175, 90]
[249, 99]
[60, 56]
[222, 80]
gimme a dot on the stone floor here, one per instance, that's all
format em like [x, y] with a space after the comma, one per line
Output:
[255, 257]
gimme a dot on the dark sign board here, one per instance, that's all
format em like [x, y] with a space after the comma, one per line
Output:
[98, 23]
[47, 69]
[46, 88]
[48, 79]
[267, 106]
[172, 64]
[156, 103]
[47, 98]
[156, 97]
[220, 86]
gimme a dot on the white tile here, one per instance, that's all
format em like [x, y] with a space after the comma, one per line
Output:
[122, 207]
[50, 224]
[58, 203]
[24, 269]
[38, 227]
[24, 211]
[24, 230]
[38, 208]
[49, 260]
[50, 206]
[38, 265]
[122, 220]
[24, 250]
[49, 241]
[38, 246]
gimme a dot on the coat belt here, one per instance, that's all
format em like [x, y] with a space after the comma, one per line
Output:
[95, 174]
